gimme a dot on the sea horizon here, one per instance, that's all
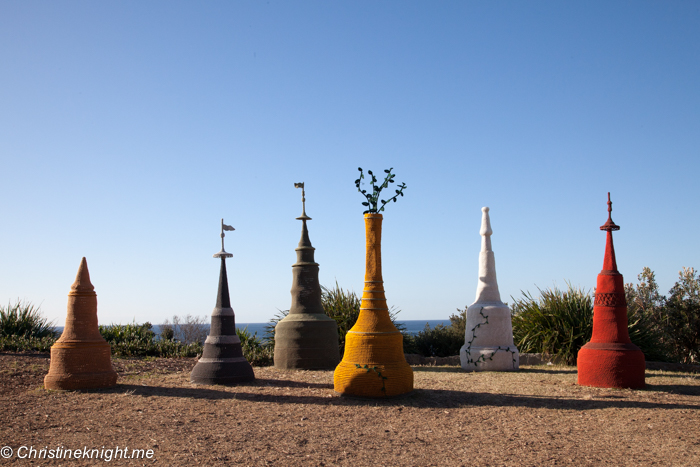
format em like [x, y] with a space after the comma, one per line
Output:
[412, 326]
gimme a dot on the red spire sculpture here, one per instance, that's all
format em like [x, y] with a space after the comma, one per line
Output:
[610, 359]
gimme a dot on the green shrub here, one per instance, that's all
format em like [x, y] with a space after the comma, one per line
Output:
[26, 344]
[558, 323]
[440, 341]
[189, 330]
[138, 340]
[683, 317]
[341, 305]
[255, 351]
[24, 319]
[646, 318]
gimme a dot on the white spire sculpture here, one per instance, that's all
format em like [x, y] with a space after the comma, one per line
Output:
[488, 337]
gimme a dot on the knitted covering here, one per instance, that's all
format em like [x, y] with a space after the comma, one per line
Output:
[373, 341]
[222, 361]
[610, 360]
[307, 338]
[488, 337]
[81, 358]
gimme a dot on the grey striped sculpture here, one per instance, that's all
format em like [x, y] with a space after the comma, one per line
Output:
[222, 359]
[306, 338]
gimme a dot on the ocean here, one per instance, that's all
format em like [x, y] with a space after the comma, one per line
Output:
[413, 326]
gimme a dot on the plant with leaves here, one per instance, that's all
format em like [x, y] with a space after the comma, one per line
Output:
[647, 319]
[188, 330]
[683, 316]
[139, 340]
[377, 370]
[257, 352]
[557, 323]
[373, 200]
[440, 341]
[24, 319]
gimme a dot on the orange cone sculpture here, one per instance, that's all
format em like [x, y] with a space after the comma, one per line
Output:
[610, 360]
[373, 364]
[81, 358]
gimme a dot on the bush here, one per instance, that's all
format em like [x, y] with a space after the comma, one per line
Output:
[646, 318]
[683, 317]
[558, 323]
[341, 305]
[24, 319]
[26, 344]
[138, 340]
[255, 351]
[440, 341]
[192, 329]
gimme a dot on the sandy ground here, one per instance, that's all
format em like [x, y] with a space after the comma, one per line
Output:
[537, 416]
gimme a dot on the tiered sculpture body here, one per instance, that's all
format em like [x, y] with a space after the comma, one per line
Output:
[373, 364]
[306, 338]
[610, 359]
[488, 340]
[81, 358]
[222, 360]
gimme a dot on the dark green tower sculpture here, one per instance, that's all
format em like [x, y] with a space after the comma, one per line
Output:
[222, 360]
[306, 339]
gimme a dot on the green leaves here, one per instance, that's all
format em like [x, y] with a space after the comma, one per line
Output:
[376, 370]
[373, 199]
[24, 319]
[557, 323]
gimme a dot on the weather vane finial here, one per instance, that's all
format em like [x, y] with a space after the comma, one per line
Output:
[222, 253]
[609, 225]
[303, 202]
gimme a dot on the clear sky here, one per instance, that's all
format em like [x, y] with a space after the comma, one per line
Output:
[128, 129]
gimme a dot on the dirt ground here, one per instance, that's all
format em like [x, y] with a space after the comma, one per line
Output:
[537, 416]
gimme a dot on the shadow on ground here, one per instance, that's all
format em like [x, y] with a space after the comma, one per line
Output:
[424, 398]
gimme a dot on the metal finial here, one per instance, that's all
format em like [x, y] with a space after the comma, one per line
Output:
[222, 253]
[609, 225]
[303, 202]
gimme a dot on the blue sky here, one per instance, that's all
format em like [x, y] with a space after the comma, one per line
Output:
[128, 129]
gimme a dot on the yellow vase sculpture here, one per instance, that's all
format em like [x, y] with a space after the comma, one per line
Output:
[373, 364]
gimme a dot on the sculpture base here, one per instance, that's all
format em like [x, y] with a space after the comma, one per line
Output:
[606, 365]
[349, 380]
[222, 371]
[222, 362]
[387, 373]
[306, 341]
[499, 358]
[80, 365]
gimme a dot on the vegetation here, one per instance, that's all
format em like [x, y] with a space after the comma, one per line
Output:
[440, 341]
[138, 340]
[683, 317]
[558, 323]
[192, 329]
[257, 352]
[25, 320]
[675, 320]
[373, 198]
[24, 343]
